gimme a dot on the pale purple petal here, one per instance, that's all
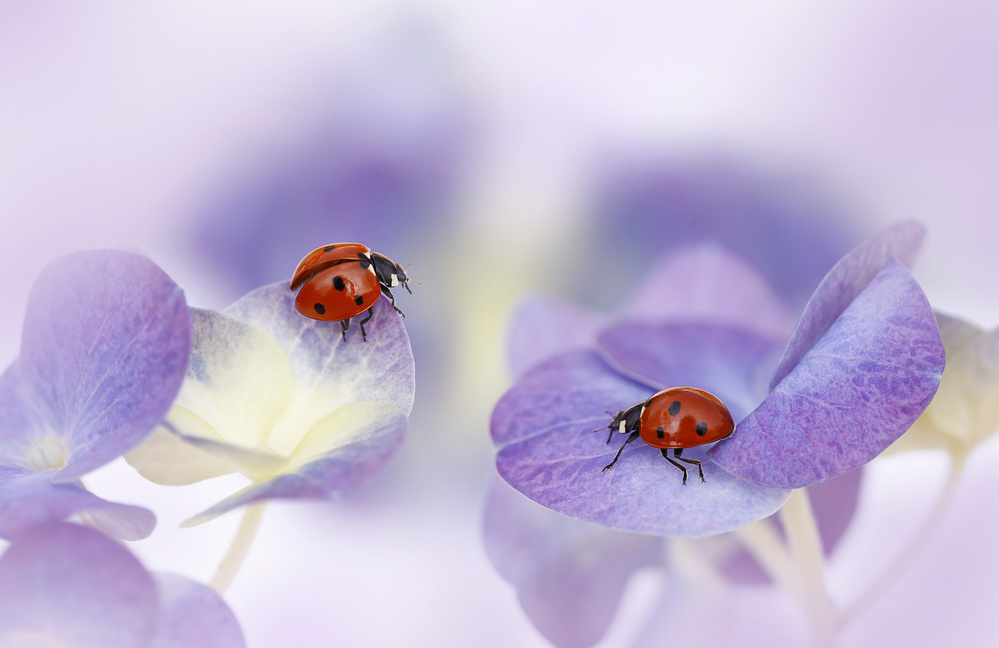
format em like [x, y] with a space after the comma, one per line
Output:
[29, 498]
[79, 585]
[569, 575]
[545, 327]
[549, 450]
[857, 390]
[707, 282]
[380, 369]
[330, 474]
[105, 345]
[844, 282]
[193, 616]
[731, 363]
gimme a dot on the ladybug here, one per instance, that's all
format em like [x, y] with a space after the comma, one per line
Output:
[674, 419]
[344, 280]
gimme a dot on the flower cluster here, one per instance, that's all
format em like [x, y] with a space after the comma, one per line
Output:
[861, 364]
[114, 362]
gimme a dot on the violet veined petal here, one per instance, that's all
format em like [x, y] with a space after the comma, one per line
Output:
[338, 453]
[380, 369]
[728, 362]
[75, 585]
[569, 575]
[848, 277]
[544, 327]
[29, 498]
[857, 390]
[106, 340]
[193, 616]
[707, 282]
[548, 450]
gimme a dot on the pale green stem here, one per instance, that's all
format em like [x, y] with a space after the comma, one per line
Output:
[799, 566]
[239, 548]
[876, 589]
[805, 549]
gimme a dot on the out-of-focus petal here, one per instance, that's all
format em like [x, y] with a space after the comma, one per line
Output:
[706, 282]
[846, 280]
[965, 410]
[106, 340]
[548, 450]
[29, 498]
[569, 575]
[75, 585]
[728, 362]
[857, 390]
[545, 327]
[193, 616]
[169, 459]
[340, 451]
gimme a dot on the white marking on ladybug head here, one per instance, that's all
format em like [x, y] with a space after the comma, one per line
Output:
[395, 280]
[621, 427]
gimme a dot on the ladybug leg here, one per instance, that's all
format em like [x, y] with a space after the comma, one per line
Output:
[631, 437]
[388, 293]
[364, 334]
[693, 462]
[682, 469]
[344, 325]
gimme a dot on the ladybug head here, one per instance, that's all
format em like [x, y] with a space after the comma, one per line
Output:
[390, 273]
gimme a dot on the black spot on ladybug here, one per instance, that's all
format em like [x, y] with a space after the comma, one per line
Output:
[329, 248]
[320, 309]
[338, 283]
[359, 300]
[365, 262]
[674, 408]
[660, 432]
[702, 428]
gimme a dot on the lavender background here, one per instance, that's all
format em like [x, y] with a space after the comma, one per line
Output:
[486, 144]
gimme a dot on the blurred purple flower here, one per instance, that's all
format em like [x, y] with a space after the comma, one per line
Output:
[105, 345]
[862, 363]
[284, 400]
[772, 222]
[67, 585]
[378, 168]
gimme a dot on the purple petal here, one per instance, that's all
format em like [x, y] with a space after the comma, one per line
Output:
[544, 427]
[193, 616]
[706, 282]
[76, 584]
[542, 328]
[381, 369]
[857, 390]
[848, 277]
[569, 575]
[29, 498]
[105, 345]
[328, 475]
[729, 362]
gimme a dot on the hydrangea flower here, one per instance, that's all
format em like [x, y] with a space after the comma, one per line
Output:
[862, 363]
[66, 585]
[105, 346]
[702, 318]
[285, 401]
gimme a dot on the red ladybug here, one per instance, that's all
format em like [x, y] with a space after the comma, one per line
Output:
[343, 280]
[675, 418]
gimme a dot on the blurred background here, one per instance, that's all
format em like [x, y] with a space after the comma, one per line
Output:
[503, 149]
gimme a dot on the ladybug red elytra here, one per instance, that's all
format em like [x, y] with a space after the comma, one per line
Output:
[344, 280]
[674, 419]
